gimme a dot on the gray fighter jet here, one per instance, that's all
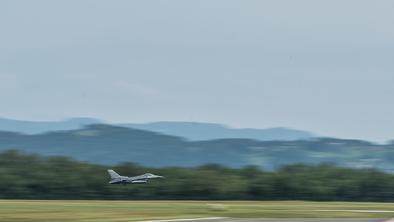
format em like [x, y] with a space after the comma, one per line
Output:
[118, 179]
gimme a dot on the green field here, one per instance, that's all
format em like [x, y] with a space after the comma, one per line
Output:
[69, 210]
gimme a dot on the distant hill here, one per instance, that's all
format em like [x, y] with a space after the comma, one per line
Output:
[37, 127]
[209, 131]
[107, 144]
[188, 130]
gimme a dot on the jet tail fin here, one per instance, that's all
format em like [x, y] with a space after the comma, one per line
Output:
[113, 174]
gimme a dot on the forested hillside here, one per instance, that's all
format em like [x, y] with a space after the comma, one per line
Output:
[106, 144]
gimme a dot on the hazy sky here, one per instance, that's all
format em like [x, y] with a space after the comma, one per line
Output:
[323, 66]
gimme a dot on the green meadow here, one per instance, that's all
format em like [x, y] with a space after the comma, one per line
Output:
[95, 211]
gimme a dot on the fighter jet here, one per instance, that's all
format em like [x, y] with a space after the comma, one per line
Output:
[118, 179]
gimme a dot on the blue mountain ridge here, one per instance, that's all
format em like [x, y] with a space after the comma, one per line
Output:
[108, 144]
[189, 130]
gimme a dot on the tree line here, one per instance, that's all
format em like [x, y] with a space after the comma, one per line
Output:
[29, 176]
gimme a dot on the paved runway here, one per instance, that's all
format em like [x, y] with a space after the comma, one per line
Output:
[299, 220]
[272, 220]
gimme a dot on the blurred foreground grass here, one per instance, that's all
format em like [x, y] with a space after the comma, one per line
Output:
[89, 210]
